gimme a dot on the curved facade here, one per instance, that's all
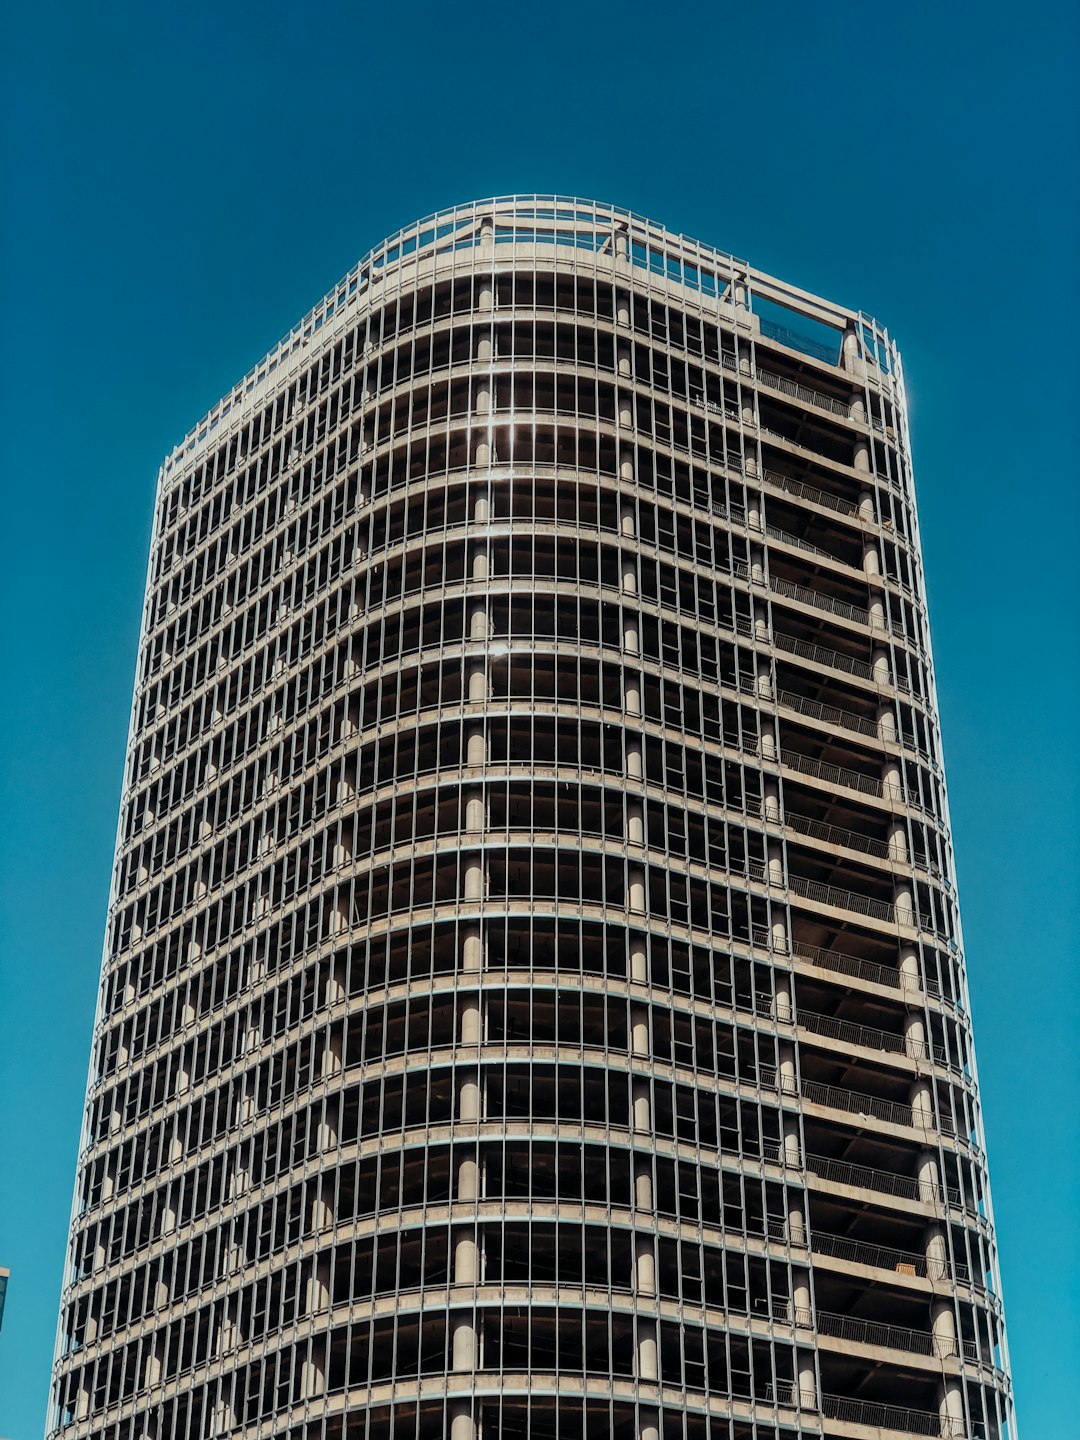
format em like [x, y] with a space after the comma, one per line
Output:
[534, 1001]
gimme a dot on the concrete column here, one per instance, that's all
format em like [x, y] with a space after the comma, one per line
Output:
[792, 1145]
[764, 679]
[886, 723]
[761, 622]
[778, 930]
[937, 1254]
[639, 964]
[800, 1299]
[921, 1099]
[951, 1409]
[796, 1217]
[882, 668]
[943, 1325]
[647, 1366]
[784, 1009]
[776, 864]
[897, 839]
[915, 1034]
[768, 738]
[786, 1076]
[928, 1177]
[636, 896]
[807, 1380]
[892, 779]
[464, 1344]
[644, 1264]
[904, 901]
[318, 1286]
[757, 565]
[462, 1424]
[910, 978]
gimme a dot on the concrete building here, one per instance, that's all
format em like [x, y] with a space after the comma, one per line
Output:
[534, 1001]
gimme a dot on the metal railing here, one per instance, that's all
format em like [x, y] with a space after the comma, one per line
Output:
[873, 1415]
[879, 1257]
[854, 1102]
[822, 655]
[804, 393]
[842, 899]
[868, 1036]
[892, 1337]
[837, 835]
[802, 491]
[856, 967]
[884, 1182]
[834, 774]
[806, 596]
[829, 714]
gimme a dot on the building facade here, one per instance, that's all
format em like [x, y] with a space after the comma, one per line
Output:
[534, 1000]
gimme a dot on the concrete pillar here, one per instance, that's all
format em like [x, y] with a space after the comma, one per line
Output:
[644, 1264]
[757, 565]
[649, 1428]
[462, 1424]
[943, 1325]
[636, 896]
[776, 864]
[778, 930]
[915, 1035]
[639, 1031]
[474, 878]
[784, 1008]
[928, 1177]
[951, 1409]
[937, 1254]
[909, 969]
[796, 1217]
[318, 1287]
[771, 799]
[904, 901]
[639, 963]
[881, 667]
[792, 1146]
[635, 822]
[647, 1366]
[641, 1112]
[886, 723]
[807, 1380]
[897, 839]
[464, 1347]
[921, 1099]
[761, 622]
[786, 1076]
[764, 679]
[768, 738]
[892, 779]
[800, 1299]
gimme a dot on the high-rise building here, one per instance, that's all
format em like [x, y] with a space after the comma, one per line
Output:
[533, 1001]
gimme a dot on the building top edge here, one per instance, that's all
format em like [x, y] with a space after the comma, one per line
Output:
[558, 220]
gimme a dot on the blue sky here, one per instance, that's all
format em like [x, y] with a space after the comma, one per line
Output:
[181, 182]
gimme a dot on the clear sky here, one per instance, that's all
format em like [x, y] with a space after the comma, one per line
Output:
[181, 182]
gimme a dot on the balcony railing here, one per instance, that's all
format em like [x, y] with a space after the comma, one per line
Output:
[879, 1257]
[869, 1414]
[870, 1038]
[883, 1182]
[834, 774]
[841, 899]
[892, 1112]
[804, 393]
[838, 835]
[893, 1337]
